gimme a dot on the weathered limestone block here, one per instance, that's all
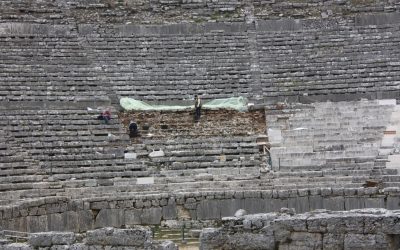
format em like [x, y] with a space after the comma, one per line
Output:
[230, 206]
[353, 203]
[17, 246]
[323, 229]
[377, 202]
[151, 216]
[276, 204]
[133, 217]
[71, 221]
[300, 204]
[85, 220]
[167, 245]
[333, 241]
[51, 238]
[316, 202]
[37, 223]
[303, 240]
[169, 211]
[393, 202]
[109, 217]
[209, 209]
[334, 203]
[212, 239]
[118, 237]
[17, 224]
[364, 242]
[253, 205]
[56, 222]
[248, 241]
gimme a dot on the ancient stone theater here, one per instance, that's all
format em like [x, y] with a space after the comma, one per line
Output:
[199, 124]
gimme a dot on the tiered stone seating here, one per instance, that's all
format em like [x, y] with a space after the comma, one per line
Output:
[97, 63]
[47, 68]
[71, 153]
[214, 152]
[215, 64]
[329, 61]
[56, 148]
[344, 135]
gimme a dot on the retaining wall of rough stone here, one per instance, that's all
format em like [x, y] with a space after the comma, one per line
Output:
[105, 238]
[369, 229]
[63, 214]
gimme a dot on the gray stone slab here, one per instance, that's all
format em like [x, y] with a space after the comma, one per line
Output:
[209, 209]
[230, 206]
[110, 218]
[333, 203]
[85, 220]
[71, 221]
[300, 204]
[254, 205]
[354, 203]
[316, 202]
[275, 205]
[378, 202]
[151, 216]
[169, 212]
[37, 223]
[135, 237]
[56, 222]
[133, 216]
[393, 202]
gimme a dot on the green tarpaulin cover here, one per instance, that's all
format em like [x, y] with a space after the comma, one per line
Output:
[236, 103]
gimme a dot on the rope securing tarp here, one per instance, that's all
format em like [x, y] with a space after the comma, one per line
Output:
[235, 103]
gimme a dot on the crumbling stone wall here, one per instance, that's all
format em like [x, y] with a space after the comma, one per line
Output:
[80, 215]
[369, 229]
[180, 123]
[104, 238]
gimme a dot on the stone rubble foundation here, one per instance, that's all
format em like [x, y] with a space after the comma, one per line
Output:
[320, 229]
[103, 238]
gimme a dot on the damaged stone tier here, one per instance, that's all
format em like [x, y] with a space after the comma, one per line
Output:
[172, 124]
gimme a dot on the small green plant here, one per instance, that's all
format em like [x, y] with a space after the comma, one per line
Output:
[216, 16]
[199, 20]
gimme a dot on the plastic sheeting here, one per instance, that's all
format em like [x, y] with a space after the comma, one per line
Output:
[235, 103]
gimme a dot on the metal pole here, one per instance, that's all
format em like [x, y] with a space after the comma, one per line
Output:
[183, 233]
[279, 167]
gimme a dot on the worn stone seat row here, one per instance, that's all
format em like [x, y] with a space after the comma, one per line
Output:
[217, 63]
